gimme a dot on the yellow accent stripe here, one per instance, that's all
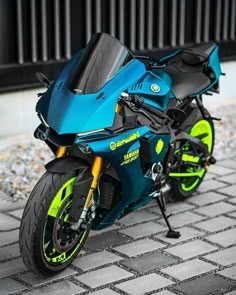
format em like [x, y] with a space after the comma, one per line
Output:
[187, 174]
[190, 158]
[58, 200]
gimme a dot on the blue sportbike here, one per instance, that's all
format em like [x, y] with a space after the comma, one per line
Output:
[125, 130]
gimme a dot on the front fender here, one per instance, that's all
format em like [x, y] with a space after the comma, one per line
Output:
[66, 165]
[82, 184]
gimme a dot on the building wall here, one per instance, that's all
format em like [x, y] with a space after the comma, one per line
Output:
[41, 35]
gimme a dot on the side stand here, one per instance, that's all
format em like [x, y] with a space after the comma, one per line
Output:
[171, 233]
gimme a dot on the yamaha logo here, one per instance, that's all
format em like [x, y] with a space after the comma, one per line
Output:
[155, 88]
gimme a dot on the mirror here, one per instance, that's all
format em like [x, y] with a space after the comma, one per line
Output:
[43, 79]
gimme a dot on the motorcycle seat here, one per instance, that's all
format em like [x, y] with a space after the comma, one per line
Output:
[197, 54]
[185, 81]
[187, 70]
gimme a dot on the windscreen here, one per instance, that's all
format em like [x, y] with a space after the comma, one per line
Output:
[101, 60]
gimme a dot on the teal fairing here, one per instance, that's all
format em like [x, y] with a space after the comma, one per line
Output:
[124, 154]
[159, 99]
[214, 63]
[73, 113]
[43, 104]
[84, 96]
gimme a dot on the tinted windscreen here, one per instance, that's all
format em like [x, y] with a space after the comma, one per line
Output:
[102, 59]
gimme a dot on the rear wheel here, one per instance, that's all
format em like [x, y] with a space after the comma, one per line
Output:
[184, 187]
[47, 242]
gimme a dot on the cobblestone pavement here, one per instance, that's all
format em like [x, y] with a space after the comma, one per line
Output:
[134, 256]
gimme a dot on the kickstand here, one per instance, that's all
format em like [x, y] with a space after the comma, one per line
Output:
[171, 233]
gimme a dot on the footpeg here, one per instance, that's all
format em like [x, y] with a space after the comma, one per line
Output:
[211, 160]
[173, 234]
[215, 118]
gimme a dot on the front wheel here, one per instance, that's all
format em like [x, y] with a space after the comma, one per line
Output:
[184, 187]
[47, 242]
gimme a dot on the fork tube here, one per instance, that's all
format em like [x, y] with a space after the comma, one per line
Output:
[61, 151]
[96, 170]
[118, 108]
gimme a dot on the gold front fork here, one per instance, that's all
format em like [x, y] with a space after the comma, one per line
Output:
[118, 108]
[96, 170]
[61, 152]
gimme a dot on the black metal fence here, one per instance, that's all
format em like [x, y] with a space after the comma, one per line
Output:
[41, 35]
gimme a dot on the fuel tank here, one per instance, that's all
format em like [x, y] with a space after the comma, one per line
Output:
[155, 88]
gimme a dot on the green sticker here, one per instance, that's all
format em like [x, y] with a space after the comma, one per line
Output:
[159, 146]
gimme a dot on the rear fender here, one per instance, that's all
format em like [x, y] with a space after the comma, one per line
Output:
[193, 115]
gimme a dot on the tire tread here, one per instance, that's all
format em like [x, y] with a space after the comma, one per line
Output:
[36, 207]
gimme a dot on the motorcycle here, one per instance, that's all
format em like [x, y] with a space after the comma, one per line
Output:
[125, 130]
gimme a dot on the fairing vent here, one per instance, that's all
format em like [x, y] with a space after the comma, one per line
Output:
[137, 86]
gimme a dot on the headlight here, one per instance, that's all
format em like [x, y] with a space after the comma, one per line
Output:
[85, 148]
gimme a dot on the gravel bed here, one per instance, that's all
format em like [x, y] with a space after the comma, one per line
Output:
[21, 165]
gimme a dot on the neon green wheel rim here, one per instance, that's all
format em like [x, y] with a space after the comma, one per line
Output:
[62, 199]
[198, 129]
[203, 127]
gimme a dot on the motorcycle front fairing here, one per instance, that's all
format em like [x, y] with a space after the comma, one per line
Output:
[78, 102]
[84, 96]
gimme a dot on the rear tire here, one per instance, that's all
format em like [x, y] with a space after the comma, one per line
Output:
[182, 188]
[47, 244]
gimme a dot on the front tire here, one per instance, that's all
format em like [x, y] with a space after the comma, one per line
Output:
[47, 243]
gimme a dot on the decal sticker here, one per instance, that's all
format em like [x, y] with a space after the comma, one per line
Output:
[59, 258]
[130, 157]
[155, 88]
[119, 143]
[190, 158]
[159, 146]
[113, 146]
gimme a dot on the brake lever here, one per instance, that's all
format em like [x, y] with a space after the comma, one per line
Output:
[160, 66]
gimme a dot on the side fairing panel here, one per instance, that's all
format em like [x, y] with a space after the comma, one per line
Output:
[123, 152]
[134, 185]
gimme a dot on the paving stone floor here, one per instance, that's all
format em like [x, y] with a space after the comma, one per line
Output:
[134, 256]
